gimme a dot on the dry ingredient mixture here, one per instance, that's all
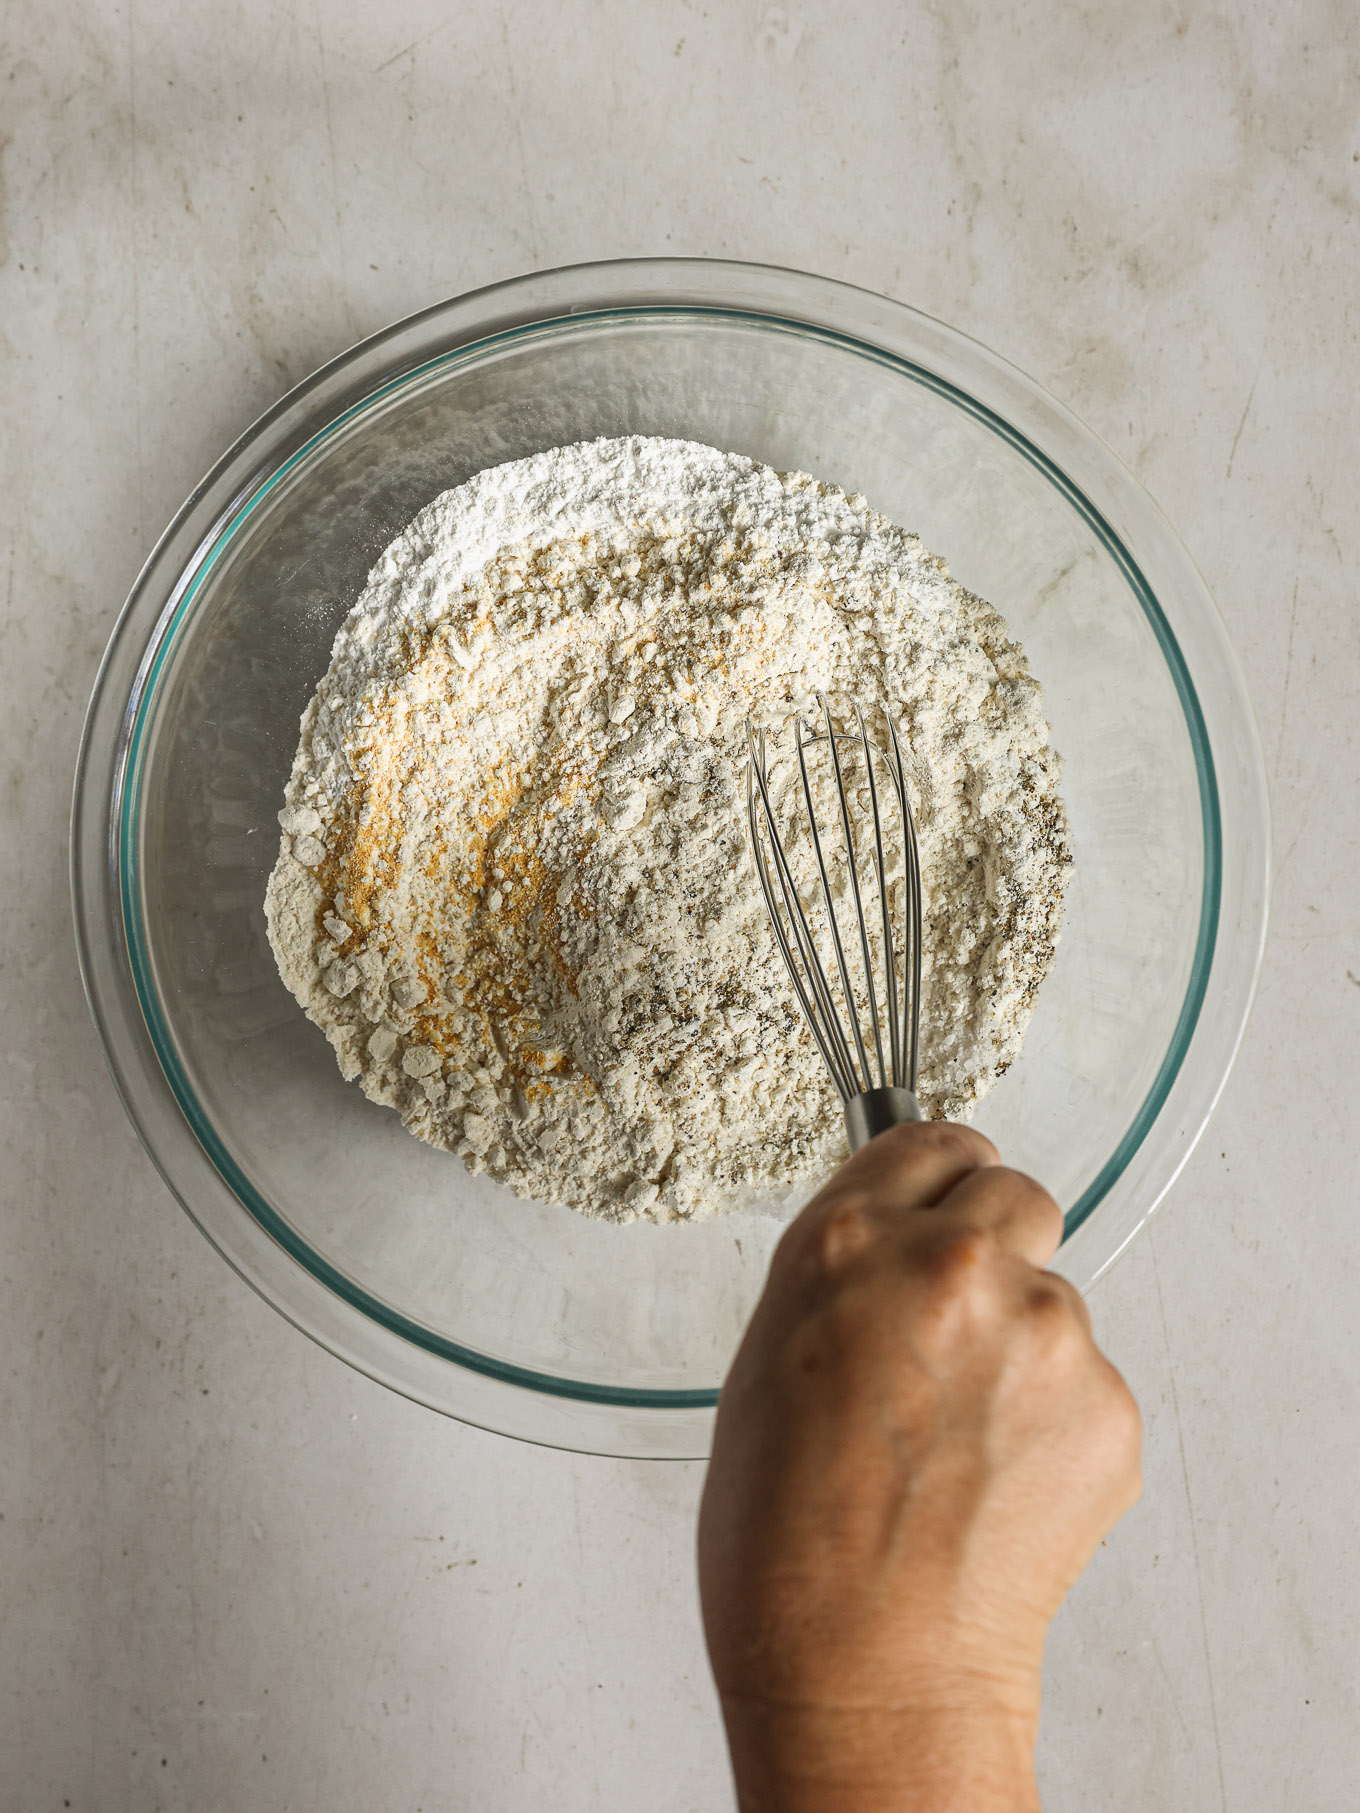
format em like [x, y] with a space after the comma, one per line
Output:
[513, 887]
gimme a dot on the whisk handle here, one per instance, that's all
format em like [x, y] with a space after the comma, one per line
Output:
[877, 1110]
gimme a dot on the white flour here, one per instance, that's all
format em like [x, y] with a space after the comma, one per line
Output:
[513, 887]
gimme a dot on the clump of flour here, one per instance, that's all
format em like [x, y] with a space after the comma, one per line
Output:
[513, 887]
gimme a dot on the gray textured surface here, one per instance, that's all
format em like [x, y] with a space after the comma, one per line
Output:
[234, 1575]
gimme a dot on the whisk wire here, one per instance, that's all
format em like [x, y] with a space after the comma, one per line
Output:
[880, 868]
[911, 853]
[827, 995]
[803, 743]
[802, 933]
[852, 863]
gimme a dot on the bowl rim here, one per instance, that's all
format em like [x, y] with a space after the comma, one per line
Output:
[105, 813]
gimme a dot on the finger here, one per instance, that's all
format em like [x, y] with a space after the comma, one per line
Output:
[907, 1168]
[1017, 1212]
[1063, 1288]
[913, 1166]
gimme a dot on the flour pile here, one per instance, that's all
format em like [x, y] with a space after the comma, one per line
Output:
[513, 887]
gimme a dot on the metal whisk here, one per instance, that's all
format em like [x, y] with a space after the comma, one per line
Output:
[874, 1076]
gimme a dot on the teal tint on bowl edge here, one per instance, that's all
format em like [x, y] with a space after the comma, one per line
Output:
[128, 807]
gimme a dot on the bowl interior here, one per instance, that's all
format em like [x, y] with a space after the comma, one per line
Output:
[457, 1263]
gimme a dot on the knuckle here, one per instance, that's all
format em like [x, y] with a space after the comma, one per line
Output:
[825, 1241]
[903, 1136]
[899, 1146]
[1024, 1200]
[948, 1136]
[960, 1270]
[1066, 1293]
[1031, 1194]
[1058, 1325]
[840, 1238]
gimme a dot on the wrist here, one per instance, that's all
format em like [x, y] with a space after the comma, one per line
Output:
[958, 1751]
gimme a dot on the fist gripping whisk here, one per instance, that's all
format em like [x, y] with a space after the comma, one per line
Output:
[835, 848]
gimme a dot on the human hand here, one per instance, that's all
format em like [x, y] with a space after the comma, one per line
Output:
[918, 1448]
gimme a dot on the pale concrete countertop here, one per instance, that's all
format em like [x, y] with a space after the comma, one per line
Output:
[238, 1576]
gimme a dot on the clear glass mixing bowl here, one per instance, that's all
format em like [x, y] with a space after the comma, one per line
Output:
[521, 1316]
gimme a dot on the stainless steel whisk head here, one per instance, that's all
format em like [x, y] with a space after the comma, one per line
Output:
[873, 967]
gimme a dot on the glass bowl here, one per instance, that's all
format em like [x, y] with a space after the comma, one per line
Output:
[522, 1316]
